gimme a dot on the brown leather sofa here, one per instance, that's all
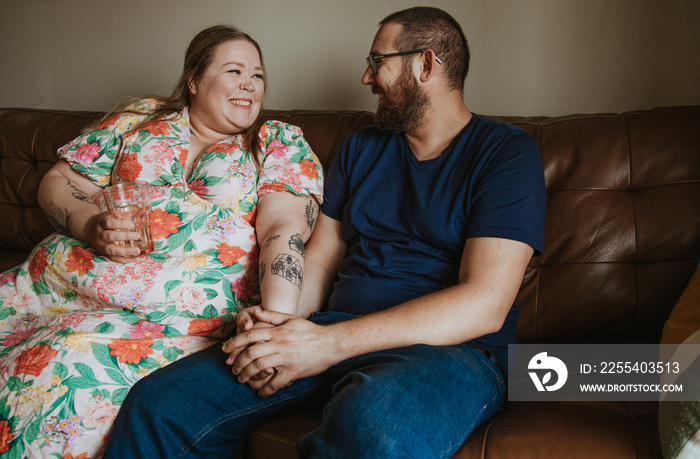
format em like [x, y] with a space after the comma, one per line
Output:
[622, 240]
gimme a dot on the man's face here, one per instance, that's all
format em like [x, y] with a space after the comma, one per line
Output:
[403, 109]
[402, 102]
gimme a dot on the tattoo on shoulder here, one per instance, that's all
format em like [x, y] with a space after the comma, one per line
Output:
[59, 218]
[269, 241]
[296, 243]
[78, 193]
[289, 267]
[311, 212]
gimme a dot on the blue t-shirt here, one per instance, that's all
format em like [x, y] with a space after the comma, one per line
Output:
[406, 221]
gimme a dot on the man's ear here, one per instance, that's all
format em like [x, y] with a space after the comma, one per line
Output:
[428, 62]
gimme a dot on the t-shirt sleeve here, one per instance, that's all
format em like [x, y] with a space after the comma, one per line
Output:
[288, 164]
[93, 153]
[335, 194]
[510, 199]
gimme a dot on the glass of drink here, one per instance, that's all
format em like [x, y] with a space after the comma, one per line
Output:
[131, 201]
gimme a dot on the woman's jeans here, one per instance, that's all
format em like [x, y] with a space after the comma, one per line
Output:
[417, 401]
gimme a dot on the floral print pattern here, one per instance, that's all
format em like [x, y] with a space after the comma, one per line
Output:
[78, 330]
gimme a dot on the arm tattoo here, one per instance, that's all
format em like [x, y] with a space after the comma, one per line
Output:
[269, 241]
[262, 271]
[59, 218]
[311, 213]
[296, 243]
[289, 267]
[78, 193]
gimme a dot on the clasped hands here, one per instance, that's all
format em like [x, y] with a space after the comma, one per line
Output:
[271, 349]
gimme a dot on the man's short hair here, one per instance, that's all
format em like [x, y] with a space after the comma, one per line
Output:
[428, 27]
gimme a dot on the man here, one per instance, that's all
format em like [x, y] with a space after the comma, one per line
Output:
[439, 212]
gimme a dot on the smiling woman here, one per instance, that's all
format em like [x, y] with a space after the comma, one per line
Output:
[86, 316]
[227, 97]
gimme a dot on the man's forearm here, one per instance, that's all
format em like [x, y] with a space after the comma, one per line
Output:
[490, 277]
[318, 283]
[447, 317]
[324, 253]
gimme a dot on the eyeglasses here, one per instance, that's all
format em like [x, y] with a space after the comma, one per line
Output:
[373, 59]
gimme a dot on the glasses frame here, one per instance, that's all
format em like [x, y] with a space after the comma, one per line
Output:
[373, 58]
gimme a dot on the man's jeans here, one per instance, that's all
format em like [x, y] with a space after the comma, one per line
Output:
[418, 401]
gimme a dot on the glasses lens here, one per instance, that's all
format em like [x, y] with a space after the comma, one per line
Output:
[371, 63]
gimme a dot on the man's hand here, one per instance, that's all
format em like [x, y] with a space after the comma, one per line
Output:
[292, 348]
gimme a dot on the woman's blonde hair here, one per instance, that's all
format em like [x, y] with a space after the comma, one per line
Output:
[199, 55]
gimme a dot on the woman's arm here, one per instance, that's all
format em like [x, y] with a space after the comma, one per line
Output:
[67, 200]
[283, 225]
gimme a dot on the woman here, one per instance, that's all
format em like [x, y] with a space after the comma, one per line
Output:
[86, 316]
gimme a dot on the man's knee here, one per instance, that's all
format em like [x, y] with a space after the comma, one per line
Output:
[365, 415]
[396, 410]
[141, 398]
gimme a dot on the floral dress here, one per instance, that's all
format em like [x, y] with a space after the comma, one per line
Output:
[78, 330]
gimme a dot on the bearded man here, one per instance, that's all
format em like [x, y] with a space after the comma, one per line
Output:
[428, 223]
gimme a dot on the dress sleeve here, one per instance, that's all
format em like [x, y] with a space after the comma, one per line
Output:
[93, 153]
[288, 164]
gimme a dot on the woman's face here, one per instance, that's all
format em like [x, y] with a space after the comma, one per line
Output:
[228, 96]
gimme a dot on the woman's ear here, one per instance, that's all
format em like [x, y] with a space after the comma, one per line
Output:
[192, 86]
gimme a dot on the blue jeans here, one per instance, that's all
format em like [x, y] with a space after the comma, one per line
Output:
[417, 401]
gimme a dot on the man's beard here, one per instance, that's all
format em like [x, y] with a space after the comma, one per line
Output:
[407, 109]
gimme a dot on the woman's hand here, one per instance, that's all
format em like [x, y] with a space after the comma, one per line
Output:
[67, 199]
[107, 235]
[245, 321]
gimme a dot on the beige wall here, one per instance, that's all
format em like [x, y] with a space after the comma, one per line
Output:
[529, 57]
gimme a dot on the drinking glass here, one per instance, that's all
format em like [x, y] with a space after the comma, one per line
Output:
[132, 201]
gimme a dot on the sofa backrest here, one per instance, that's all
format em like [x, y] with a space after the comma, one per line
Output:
[622, 235]
[28, 143]
[622, 232]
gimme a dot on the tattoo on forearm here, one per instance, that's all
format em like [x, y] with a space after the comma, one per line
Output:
[262, 271]
[289, 267]
[269, 241]
[311, 213]
[59, 218]
[78, 193]
[296, 243]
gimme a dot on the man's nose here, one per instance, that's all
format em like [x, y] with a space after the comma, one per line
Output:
[368, 76]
